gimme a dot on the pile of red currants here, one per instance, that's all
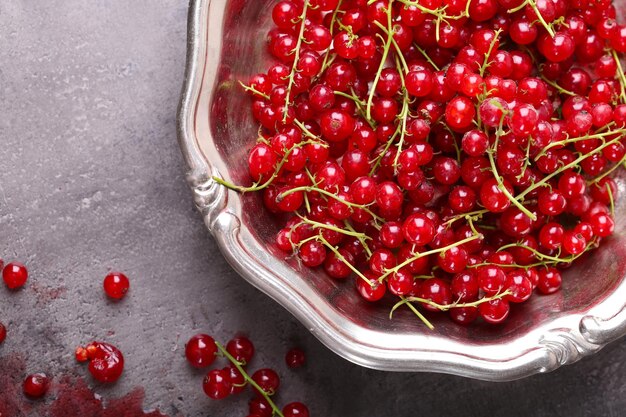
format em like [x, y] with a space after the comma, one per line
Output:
[457, 154]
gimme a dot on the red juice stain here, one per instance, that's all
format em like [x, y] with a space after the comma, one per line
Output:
[45, 295]
[69, 396]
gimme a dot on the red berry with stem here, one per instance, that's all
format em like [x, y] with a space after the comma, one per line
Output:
[453, 260]
[549, 280]
[116, 285]
[460, 113]
[371, 290]
[217, 384]
[295, 409]
[237, 380]
[295, 358]
[400, 283]
[574, 243]
[464, 315]
[437, 291]
[240, 348]
[602, 224]
[36, 385]
[493, 197]
[519, 285]
[14, 275]
[200, 351]
[418, 229]
[258, 406]
[267, 379]
[464, 286]
[494, 311]
[491, 278]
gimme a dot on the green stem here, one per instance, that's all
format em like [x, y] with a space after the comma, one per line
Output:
[292, 74]
[572, 164]
[545, 24]
[386, 49]
[621, 76]
[598, 135]
[332, 27]
[366, 247]
[254, 91]
[247, 377]
[608, 172]
[499, 179]
[427, 57]
[427, 253]
[344, 260]
[403, 118]
[415, 310]
[486, 62]
[333, 228]
[308, 189]
[256, 186]
[558, 87]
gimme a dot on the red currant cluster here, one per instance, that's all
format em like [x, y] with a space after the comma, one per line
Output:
[201, 351]
[455, 153]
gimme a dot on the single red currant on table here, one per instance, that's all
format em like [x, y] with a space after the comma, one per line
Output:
[200, 351]
[116, 285]
[3, 333]
[14, 275]
[36, 385]
[295, 358]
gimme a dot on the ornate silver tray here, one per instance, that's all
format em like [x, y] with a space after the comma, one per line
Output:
[215, 130]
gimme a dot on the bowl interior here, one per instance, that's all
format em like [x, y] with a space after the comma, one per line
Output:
[241, 54]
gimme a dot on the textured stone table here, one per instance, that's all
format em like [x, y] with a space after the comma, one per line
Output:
[91, 180]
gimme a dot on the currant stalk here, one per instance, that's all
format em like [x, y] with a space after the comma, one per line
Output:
[597, 135]
[403, 301]
[260, 186]
[294, 67]
[427, 253]
[404, 113]
[363, 242]
[308, 189]
[533, 6]
[446, 307]
[620, 75]
[248, 379]
[386, 49]
[339, 256]
[254, 90]
[486, 61]
[318, 225]
[499, 179]
[572, 164]
[331, 29]
[560, 89]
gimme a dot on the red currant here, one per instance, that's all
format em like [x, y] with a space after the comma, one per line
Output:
[200, 351]
[14, 275]
[116, 285]
[36, 385]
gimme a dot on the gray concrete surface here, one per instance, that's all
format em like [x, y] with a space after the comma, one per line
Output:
[91, 180]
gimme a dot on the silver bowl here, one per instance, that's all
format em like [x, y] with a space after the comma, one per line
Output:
[215, 131]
